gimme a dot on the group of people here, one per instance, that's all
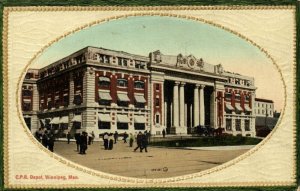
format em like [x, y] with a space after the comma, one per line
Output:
[82, 142]
[46, 138]
[142, 140]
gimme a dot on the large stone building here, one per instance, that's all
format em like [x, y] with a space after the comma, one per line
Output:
[100, 90]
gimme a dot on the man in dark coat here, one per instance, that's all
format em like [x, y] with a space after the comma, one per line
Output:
[51, 142]
[164, 133]
[68, 137]
[139, 140]
[116, 135]
[105, 140]
[144, 142]
[83, 143]
[125, 137]
[45, 139]
[77, 138]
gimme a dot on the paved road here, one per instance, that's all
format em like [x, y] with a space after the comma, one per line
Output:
[157, 163]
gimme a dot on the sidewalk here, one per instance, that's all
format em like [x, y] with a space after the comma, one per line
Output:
[222, 148]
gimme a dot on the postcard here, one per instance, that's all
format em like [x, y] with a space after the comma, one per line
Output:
[175, 96]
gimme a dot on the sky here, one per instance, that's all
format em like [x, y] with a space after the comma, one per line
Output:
[144, 34]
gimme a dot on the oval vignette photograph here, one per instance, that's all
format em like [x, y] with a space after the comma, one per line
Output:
[151, 97]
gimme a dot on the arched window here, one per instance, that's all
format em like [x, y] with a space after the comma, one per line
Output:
[122, 83]
[139, 84]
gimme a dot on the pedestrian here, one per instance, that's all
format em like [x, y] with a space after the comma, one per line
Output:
[144, 142]
[93, 137]
[139, 141]
[105, 140]
[68, 137]
[116, 135]
[125, 136]
[83, 143]
[131, 139]
[51, 140]
[77, 138]
[45, 139]
[135, 136]
[111, 141]
[164, 133]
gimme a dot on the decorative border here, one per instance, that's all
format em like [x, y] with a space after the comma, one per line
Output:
[167, 182]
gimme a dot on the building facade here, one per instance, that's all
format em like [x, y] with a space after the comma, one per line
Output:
[100, 90]
[264, 107]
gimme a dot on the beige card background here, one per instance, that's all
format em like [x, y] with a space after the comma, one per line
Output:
[30, 29]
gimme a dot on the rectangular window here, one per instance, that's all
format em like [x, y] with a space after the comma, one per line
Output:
[103, 125]
[122, 83]
[104, 102]
[227, 96]
[237, 97]
[157, 119]
[122, 126]
[139, 126]
[27, 106]
[247, 125]
[157, 102]
[238, 125]
[157, 87]
[228, 124]
[26, 92]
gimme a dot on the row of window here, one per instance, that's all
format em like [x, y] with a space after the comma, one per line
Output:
[105, 82]
[121, 126]
[263, 105]
[228, 97]
[106, 59]
[237, 124]
[263, 112]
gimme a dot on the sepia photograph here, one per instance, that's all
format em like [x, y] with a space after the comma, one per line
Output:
[151, 97]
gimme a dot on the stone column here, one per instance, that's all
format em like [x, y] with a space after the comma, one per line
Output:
[196, 106]
[175, 105]
[202, 109]
[181, 107]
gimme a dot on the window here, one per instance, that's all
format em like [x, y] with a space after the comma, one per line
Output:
[228, 124]
[139, 85]
[237, 97]
[157, 102]
[49, 104]
[227, 96]
[103, 125]
[77, 99]
[258, 111]
[27, 106]
[66, 100]
[139, 105]
[238, 125]
[247, 125]
[122, 125]
[122, 83]
[104, 82]
[104, 102]
[77, 125]
[139, 126]
[26, 92]
[157, 87]
[157, 118]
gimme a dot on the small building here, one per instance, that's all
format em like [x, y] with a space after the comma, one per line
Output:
[264, 107]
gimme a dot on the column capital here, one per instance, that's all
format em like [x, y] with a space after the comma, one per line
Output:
[176, 83]
[197, 86]
[182, 83]
[202, 86]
